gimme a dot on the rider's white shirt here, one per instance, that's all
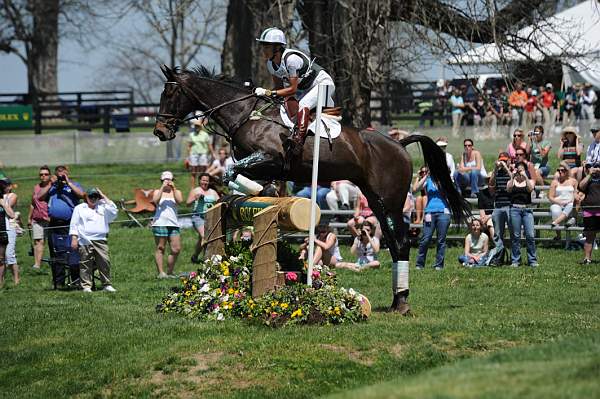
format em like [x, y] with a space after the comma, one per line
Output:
[286, 70]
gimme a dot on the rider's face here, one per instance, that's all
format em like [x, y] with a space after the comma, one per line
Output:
[268, 50]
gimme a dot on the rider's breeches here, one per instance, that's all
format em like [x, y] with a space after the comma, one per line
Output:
[308, 99]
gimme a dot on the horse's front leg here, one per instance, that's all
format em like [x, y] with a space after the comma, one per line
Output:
[257, 166]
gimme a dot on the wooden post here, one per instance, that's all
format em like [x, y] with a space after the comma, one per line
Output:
[214, 233]
[264, 248]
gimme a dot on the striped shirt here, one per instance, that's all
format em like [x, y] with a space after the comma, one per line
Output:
[502, 196]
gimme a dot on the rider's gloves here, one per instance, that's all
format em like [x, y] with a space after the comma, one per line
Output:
[259, 91]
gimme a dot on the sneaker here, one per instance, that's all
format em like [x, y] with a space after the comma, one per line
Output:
[439, 268]
[109, 288]
[534, 264]
[514, 265]
[36, 268]
[553, 226]
[194, 259]
[162, 275]
[586, 262]
[172, 276]
[419, 267]
[571, 222]
[87, 289]
[465, 264]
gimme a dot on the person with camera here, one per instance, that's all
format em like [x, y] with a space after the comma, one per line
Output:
[521, 215]
[362, 213]
[590, 186]
[63, 195]
[203, 197]
[570, 150]
[501, 213]
[165, 226]
[88, 230]
[540, 148]
[365, 247]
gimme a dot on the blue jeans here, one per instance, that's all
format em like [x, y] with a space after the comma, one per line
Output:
[321, 194]
[522, 217]
[481, 262]
[500, 218]
[440, 222]
[472, 178]
[544, 171]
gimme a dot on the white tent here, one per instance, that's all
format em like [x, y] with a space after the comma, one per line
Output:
[572, 35]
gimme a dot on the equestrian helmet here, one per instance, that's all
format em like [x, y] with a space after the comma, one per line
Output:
[272, 35]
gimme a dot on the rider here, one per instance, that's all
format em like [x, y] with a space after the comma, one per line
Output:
[294, 74]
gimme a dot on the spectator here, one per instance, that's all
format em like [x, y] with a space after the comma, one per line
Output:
[517, 100]
[470, 169]
[343, 195]
[492, 114]
[203, 197]
[540, 148]
[327, 250]
[590, 186]
[458, 106]
[363, 213]
[530, 108]
[570, 150]
[366, 247]
[520, 187]
[562, 194]
[593, 153]
[63, 195]
[588, 100]
[485, 203]
[506, 111]
[476, 246]
[321, 195]
[421, 199]
[547, 103]
[479, 109]
[88, 231]
[442, 142]
[220, 165]
[199, 149]
[6, 212]
[398, 134]
[13, 227]
[569, 107]
[521, 156]
[39, 218]
[165, 226]
[501, 214]
[437, 218]
[518, 141]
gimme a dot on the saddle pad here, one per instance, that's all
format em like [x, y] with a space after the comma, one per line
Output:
[332, 124]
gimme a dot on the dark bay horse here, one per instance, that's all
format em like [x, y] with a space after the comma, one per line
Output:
[378, 165]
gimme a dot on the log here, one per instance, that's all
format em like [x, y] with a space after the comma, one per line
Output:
[294, 212]
[264, 248]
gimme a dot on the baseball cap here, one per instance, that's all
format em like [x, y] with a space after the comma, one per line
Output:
[503, 156]
[548, 85]
[442, 143]
[166, 175]
[595, 128]
[92, 191]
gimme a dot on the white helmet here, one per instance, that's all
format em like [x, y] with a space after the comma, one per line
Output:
[272, 35]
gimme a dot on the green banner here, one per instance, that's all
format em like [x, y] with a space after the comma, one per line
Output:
[16, 116]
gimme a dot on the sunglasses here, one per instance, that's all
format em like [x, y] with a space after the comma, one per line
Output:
[561, 170]
[517, 135]
[468, 145]
[44, 174]
[520, 154]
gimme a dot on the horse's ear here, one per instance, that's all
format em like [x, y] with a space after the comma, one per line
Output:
[167, 72]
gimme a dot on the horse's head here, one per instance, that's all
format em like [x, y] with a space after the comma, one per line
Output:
[175, 105]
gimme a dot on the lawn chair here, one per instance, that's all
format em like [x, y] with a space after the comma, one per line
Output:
[143, 203]
[64, 261]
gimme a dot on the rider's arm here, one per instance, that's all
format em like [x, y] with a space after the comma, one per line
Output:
[290, 90]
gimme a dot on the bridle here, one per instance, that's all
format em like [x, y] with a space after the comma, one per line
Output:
[172, 121]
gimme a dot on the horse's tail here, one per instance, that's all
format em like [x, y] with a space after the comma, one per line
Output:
[435, 159]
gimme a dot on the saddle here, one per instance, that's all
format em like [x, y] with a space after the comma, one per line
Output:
[291, 107]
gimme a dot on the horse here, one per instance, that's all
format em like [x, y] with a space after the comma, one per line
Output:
[380, 166]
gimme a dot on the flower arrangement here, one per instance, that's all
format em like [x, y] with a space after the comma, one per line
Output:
[221, 287]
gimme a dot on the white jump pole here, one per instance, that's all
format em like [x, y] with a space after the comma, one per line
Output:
[322, 90]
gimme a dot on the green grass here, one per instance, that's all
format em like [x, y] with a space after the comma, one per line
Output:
[490, 333]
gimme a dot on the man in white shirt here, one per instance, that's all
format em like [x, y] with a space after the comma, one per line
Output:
[442, 142]
[593, 153]
[88, 231]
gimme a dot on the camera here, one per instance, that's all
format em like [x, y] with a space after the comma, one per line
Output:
[62, 178]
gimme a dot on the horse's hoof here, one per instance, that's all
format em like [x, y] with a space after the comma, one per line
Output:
[402, 308]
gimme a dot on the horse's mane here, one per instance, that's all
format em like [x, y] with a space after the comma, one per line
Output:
[205, 73]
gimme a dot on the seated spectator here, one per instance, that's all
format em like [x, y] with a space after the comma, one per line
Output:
[409, 207]
[218, 167]
[321, 195]
[421, 198]
[343, 195]
[363, 213]
[485, 203]
[442, 142]
[327, 250]
[366, 247]
[592, 155]
[540, 148]
[562, 194]
[470, 169]
[590, 186]
[476, 246]
[398, 134]
[203, 197]
[570, 150]
[517, 142]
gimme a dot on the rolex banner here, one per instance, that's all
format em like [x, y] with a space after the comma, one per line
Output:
[15, 117]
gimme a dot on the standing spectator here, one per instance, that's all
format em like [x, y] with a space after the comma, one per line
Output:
[38, 217]
[343, 195]
[588, 101]
[562, 194]
[470, 169]
[165, 227]
[501, 214]
[437, 218]
[540, 148]
[442, 142]
[493, 113]
[363, 213]
[569, 107]
[220, 165]
[88, 231]
[479, 109]
[506, 111]
[529, 168]
[12, 226]
[458, 106]
[530, 108]
[547, 104]
[365, 247]
[203, 197]
[570, 150]
[518, 141]
[200, 149]
[63, 195]
[517, 100]
[520, 187]
[6, 212]
[590, 186]
[476, 246]
[592, 155]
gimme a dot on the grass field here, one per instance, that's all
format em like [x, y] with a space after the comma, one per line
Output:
[488, 333]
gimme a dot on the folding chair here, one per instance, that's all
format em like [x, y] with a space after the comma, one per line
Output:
[64, 261]
[143, 203]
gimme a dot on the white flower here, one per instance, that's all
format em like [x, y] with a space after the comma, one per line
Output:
[204, 288]
[225, 298]
[220, 317]
[351, 292]
[216, 259]
[234, 259]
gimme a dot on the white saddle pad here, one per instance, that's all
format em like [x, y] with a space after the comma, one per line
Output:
[333, 125]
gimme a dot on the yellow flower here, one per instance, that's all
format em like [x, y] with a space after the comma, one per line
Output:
[230, 291]
[194, 287]
[284, 305]
[297, 312]
[337, 310]
[225, 271]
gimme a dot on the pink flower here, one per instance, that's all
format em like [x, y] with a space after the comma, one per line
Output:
[193, 274]
[316, 274]
[291, 276]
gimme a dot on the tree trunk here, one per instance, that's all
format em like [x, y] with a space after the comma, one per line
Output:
[43, 54]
